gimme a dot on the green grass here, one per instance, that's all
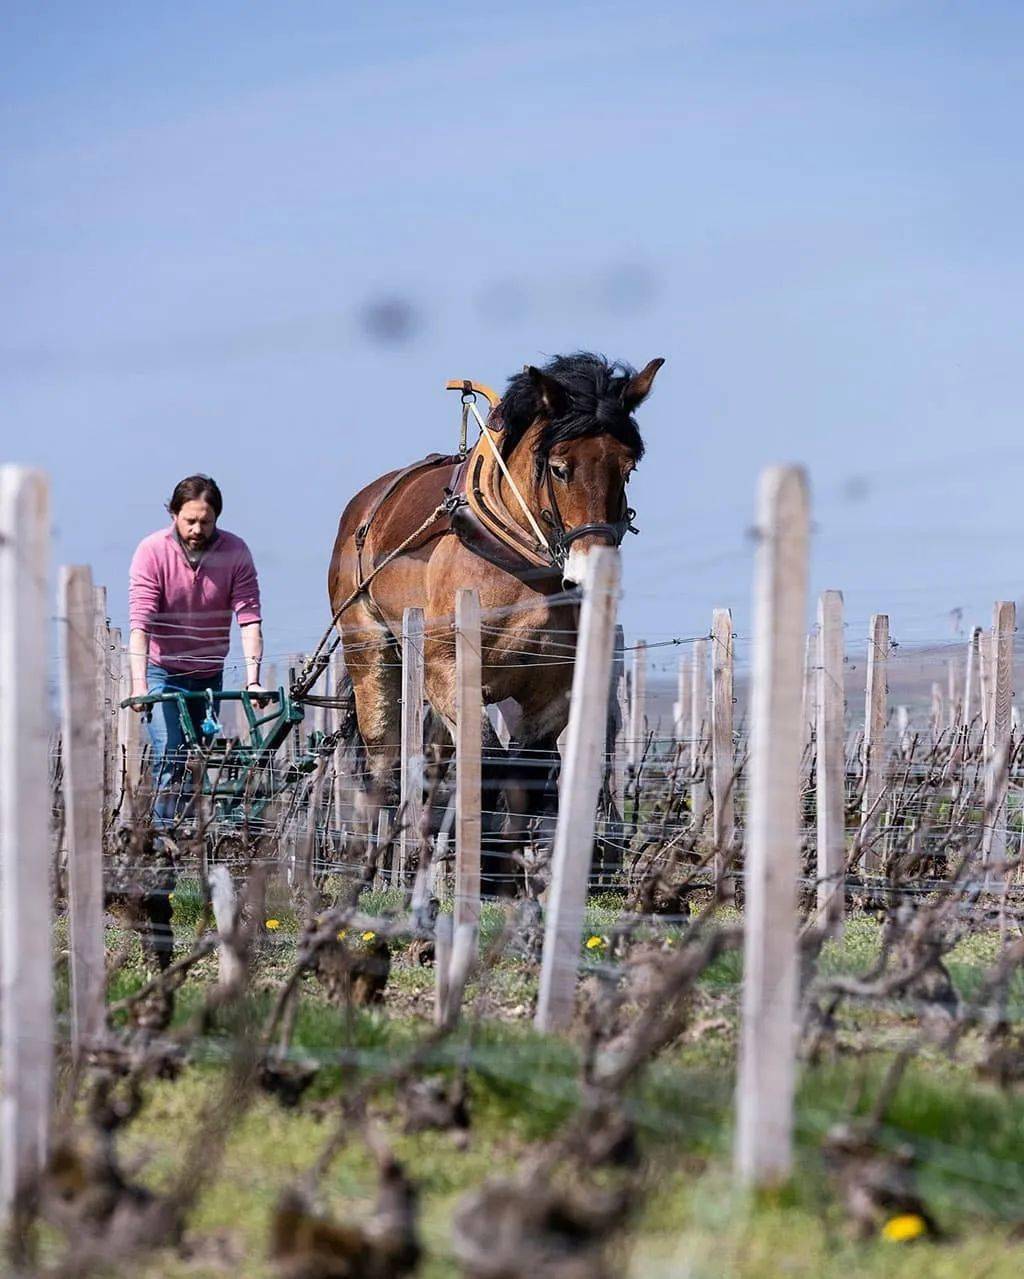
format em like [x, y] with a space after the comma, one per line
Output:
[523, 1087]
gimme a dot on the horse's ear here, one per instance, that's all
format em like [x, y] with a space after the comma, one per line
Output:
[553, 397]
[638, 387]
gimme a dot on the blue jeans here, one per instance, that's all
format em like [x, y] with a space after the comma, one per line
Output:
[171, 785]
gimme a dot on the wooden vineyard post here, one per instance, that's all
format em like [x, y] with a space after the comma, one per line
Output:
[442, 964]
[764, 1129]
[619, 750]
[412, 738]
[338, 785]
[955, 706]
[985, 689]
[82, 734]
[809, 696]
[1004, 622]
[904, 734]
[129, 736]
[875, 714]
[698, 732]
[225, 913]
[383, 876]
[468, 745]
[102, 641]
[938, 711]
[583, 765]
[723, 764]
[831, 763]
[684, 687]
[305, 847]
[26, 1005]
[111, 736]
[638, 708]
[970, 681]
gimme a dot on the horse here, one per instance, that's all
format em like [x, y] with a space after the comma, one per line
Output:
[515, 519]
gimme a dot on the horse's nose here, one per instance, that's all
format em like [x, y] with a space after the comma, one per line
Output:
[574, 569]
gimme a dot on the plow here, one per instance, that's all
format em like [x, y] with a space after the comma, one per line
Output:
[238, 777]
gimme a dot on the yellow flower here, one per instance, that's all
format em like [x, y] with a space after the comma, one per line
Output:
[902, 1229]
[343, 934]
[594, 942]
[273, 923]
[170, 897]
[368, 936]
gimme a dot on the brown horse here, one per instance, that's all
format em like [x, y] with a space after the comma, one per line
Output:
[569, 443]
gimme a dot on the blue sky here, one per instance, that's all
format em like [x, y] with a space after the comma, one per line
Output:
[812, 210]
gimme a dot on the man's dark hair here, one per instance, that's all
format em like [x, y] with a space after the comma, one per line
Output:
[196, 488]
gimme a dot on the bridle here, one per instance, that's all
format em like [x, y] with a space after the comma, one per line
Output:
[559, 539]
[562, 538]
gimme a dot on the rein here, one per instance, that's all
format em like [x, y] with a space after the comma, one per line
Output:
[485, 432]
[316, 663]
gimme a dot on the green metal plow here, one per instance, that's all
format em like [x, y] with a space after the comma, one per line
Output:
[240, 776]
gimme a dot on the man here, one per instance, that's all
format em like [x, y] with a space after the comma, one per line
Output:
[186, 580]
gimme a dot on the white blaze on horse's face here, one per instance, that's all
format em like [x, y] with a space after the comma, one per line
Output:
[574, 570]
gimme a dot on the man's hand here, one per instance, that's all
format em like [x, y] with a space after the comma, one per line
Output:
[139, 692]
[254, 690]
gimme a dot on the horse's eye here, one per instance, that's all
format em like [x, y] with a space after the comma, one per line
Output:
[560, 471]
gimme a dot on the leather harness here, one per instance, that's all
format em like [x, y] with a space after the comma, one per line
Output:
[478, 516]
[474, 510]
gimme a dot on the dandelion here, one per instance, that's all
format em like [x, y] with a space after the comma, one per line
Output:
[594, 942]
[902, 1229]
[368, 935]
[273, 923]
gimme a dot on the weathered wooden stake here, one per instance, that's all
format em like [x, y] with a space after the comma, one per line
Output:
[464, 955]
[225, 913]
[938, 716]
[129, 736]
[809, 692]
[102, 642]
[638, 706]
[684, 692]
[1004, 622]
[442, 965]
[620, 693]
[82, 735]
[986, 686]
[113, 679]
[468, 744]
[955, 706]
[723, 764]
[26, 1006]
[340, 780]
[764, 1131]
[584, 757]
[699, 723]
[904, 733]
[412, 738]
[875, 714]
[831, 763]
[970, 683]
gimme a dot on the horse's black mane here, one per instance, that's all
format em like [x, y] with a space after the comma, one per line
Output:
[593, 389]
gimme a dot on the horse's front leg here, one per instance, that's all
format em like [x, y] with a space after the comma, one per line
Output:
[372, 659]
